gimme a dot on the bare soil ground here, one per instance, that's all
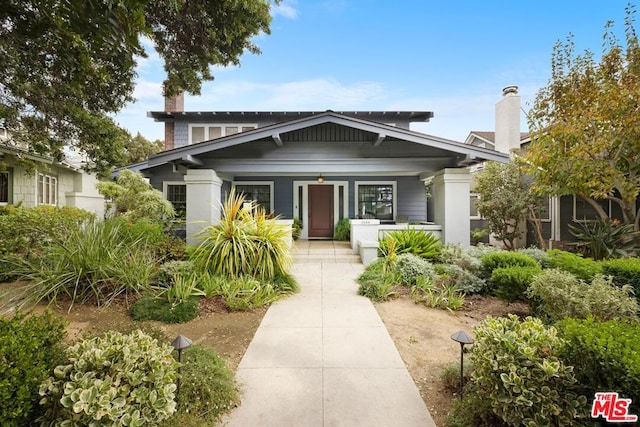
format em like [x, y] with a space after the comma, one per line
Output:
[423, 337]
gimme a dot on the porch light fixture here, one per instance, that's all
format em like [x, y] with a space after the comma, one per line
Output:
[463, 338]
[320, 179]
[180, 343]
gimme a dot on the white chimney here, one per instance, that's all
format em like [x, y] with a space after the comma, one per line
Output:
[508, 120]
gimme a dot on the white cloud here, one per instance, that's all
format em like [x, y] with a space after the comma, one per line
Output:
[147, 89]
[285, 9]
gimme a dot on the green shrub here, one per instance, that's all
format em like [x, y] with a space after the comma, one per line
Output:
[25, 231]
[30, 347]
[297, 228]
[410, 267]
[245, 242]
[464, 280]
[473, 411]
[417, 242]
[606, 356]
[583, 268]
[510, 283]
[376, 282]
[481, 249]
[557, 294]
[342, 231]
[95, 263]
[505, 259]
[625, 271]
[537, 254]
[172, 248]
[113, 379]
[207, 387]
[168, 270]
[517, 369]
[455, 254]
[161, 309]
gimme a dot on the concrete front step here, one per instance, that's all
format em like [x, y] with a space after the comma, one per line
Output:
[338, 258]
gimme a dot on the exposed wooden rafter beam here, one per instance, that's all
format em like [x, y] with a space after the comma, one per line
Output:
[277, 139]
[381, 137]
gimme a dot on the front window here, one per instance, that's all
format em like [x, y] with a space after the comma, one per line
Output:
[261, 193]
[375, 201]
[47, 189]
[177, 195]
[583, 211]
[474, 213]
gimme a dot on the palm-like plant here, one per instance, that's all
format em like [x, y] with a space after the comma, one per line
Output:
[245, 242]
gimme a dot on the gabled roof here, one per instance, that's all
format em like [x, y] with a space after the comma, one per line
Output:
[484, 137]
[380, 132]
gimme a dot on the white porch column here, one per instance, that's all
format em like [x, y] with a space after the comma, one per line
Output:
[203, 201]
[451, 205]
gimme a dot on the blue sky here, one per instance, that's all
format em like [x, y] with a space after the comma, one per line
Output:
[450, 57]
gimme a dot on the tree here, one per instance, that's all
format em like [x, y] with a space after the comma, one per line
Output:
[67, 65]
[585, 125]
[139, 148]
[505, 201]
[134, 198]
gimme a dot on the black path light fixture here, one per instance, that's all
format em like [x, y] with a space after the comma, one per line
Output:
[180, 343]
[463, 338]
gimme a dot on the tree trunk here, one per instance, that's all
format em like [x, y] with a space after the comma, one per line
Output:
[537, 226]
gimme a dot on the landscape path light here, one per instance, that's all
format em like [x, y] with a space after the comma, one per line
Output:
[180, 343]
[463, 338]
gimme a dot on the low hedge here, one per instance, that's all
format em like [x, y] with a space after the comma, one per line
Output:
[625, 271]
[605, 356]
[511, 283]
[505, 259]
[583, 268]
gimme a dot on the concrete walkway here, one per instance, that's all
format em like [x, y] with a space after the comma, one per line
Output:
[324, 358]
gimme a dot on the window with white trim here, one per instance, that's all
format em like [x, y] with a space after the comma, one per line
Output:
[375, 200]
[544, 211]
[583, 211]
[205, 132]
[176, 194]
[47, 189]
[259, 191]
[474, 213]
[4, 188]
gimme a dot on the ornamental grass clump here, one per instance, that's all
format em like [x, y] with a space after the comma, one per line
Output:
[245, 242]
[410, 240]
[112, 380]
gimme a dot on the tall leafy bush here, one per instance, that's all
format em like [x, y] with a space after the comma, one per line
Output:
[114, 379]
[342, 231]
[517, 369]
[30, 347]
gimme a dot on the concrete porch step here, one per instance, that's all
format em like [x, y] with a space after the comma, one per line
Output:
[309, 251]
[337, 258]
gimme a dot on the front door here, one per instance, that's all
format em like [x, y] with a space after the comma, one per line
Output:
[320, 211]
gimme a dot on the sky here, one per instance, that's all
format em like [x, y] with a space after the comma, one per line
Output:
[450, 57]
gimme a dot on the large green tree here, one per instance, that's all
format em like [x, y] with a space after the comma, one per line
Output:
[585, 125]
[68, 65]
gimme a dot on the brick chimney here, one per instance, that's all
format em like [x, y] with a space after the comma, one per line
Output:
[172, 104]
[508, 120]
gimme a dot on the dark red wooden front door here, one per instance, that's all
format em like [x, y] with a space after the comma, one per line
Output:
[320, 211]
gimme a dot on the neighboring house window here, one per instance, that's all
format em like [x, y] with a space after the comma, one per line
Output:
[176, 194]
[474, 213]
[199, 133]
[583, 211]
[375, 200]
[544, 212]
[47, 189]
[259, 191]
[4, 188]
